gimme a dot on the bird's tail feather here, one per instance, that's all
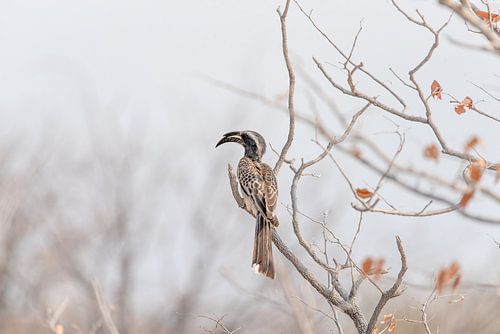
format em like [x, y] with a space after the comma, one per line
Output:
[262, 260]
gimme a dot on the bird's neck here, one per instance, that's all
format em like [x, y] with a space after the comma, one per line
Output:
[251, 154]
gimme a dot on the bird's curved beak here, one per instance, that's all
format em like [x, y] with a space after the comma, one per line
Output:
[234, 137]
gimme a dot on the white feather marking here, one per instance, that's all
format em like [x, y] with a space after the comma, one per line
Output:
[256, 267]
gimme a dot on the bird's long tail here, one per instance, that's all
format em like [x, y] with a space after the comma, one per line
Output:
[262, 260]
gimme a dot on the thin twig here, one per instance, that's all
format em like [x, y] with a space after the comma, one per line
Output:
[104, 308]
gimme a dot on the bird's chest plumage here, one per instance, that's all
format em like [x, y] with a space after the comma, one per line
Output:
[250, 178]
[249, 173]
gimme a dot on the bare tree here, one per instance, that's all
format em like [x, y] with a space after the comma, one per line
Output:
[120, 229]
[335, 292]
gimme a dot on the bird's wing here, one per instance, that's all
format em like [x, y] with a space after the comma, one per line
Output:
[270, 190]
[258, 182]
[264, 191]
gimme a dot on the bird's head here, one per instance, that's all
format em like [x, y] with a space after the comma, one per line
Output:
[253, 142]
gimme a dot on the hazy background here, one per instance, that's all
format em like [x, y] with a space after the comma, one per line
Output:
[108, 170]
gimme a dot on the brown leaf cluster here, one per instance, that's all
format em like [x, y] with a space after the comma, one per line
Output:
[466, 103]
[448, 275]
[460, 108]
[476, 170]
[485, 16]
[474, 173]
[431, 152]
[373, 267]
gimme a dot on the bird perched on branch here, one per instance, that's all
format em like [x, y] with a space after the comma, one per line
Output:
[260, 194]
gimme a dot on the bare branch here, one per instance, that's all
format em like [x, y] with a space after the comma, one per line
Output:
[486, 92]
[347, 58]
[291, 88]
[421, 213]
[464, 10]
[219, 323]
[367, 98]
[394, 291]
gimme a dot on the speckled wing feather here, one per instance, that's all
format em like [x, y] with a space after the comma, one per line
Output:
[270, 192]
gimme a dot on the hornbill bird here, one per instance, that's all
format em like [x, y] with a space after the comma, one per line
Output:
[260, 194]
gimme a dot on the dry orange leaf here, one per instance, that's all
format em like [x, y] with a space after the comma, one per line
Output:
[431, 151]
[379, 267]
[465, 198]
[441, 280]
[436, 90]
[364, 193]
[459, 108]
[472, 143]
[468, 102]
[356, 152]
[475, 172]
[367, 266]
[445, 275]
[456, 282]
[454, 268]
[486, 17]
[373, 267]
